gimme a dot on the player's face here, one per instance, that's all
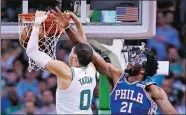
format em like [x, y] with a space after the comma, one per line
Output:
[135, 65]
[132, 70]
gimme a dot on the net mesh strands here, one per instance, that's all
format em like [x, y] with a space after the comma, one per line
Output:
[49, 34]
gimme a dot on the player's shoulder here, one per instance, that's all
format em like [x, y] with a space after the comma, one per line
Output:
[149, 81]
[92, 65]
[58, 62]
[54, 66]
[156, 92]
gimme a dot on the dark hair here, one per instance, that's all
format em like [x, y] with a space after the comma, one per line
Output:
[167, 12]
[151, 64]
[169, 46]
[84, 53]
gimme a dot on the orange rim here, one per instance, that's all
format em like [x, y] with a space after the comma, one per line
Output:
[31, 17]
[27, 17]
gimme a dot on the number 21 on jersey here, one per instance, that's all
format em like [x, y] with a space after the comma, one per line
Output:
[126, 107]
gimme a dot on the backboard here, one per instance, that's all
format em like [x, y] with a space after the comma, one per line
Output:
[106, 19]
[143, 27]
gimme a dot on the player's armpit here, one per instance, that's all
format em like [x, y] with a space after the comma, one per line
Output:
[59, 68]
[160, 97]
[116, 73]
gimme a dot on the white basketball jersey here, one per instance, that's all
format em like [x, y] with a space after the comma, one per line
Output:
[77, 98]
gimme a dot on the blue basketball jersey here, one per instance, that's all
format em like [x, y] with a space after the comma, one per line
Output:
[131, 98]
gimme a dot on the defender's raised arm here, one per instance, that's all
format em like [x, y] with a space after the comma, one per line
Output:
[79, 37]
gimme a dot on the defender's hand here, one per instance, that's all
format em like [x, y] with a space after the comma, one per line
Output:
[40, 16]
[62, 19]
[78, 25]
[74, 18]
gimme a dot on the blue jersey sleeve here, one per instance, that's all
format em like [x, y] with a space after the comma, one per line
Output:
[156, 79]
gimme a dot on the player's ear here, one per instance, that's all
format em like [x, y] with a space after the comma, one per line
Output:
[75, 58]
[142, 71]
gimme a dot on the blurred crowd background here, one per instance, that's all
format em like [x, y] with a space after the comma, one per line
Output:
[34, 92]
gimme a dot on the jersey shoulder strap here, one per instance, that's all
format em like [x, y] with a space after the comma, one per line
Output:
[149, 81]
[73, 73]
[123, 77]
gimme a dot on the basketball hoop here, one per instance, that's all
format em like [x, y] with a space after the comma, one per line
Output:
[48, 36]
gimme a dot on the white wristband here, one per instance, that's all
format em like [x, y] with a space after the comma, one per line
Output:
[67, 26]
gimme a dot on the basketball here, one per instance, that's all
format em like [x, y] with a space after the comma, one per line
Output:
[47, 29]
[25, 35]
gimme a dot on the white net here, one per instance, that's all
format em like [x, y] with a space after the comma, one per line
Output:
[48, 38]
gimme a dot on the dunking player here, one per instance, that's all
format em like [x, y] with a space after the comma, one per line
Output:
[75, 84]
[131, 94]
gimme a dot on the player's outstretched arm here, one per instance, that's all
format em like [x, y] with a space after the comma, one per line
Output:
[42, 59]
[160, 97]
[79, 37]
[101, 65]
